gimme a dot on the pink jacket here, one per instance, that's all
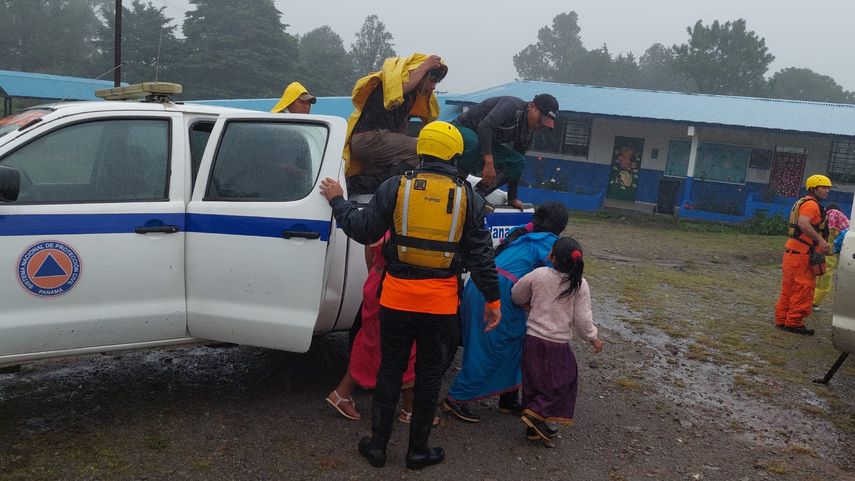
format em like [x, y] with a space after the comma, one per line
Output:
[552, 320]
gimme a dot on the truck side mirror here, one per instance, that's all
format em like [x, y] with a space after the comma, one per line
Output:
[10, 184]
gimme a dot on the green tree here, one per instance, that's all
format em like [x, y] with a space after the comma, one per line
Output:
[236, 48]
[557, 53]
[559, 56]
[150, 49]
[326, 67]
[656, 71]
[373, 45]
[725, 59]
[805, 84]
[49, 36]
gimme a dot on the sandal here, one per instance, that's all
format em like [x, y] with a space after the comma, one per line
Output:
[345, 406]
[407, 416]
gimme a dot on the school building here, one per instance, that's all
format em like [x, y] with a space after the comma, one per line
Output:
[706, 157]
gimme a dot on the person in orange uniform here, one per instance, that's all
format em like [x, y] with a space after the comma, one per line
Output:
[437, 229]
[808, 234]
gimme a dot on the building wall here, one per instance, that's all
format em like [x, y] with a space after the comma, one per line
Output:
[590, 176]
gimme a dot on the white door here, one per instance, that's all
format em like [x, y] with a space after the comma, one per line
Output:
[258, 230]
[91, 253]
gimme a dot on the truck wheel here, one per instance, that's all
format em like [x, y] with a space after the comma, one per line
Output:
[354, 328]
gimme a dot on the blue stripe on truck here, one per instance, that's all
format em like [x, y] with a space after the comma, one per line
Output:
[60, 224]
[254, 226]
[68, 224]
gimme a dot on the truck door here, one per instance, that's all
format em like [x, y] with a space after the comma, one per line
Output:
[93, 247]
[259, 231]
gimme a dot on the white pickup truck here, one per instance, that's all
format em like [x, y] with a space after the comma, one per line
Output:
[126, 225]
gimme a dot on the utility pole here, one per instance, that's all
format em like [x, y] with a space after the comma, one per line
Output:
[117, 46]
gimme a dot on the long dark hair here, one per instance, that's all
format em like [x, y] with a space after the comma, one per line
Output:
[568, 260]
[550, 216]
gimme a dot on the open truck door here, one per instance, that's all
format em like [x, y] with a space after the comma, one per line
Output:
[258, 231]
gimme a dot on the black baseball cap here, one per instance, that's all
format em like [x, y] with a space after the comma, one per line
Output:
[548, 107]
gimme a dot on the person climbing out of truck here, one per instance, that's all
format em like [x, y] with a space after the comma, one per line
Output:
[837, 223]
[803, 257]
[491, 360]
[365, 352]
[437, 229]
[377, 145]
[496, 135]
[296, 99]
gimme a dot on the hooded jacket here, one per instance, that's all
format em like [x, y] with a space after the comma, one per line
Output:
[291, 93]
[391, 78]
[476, 247]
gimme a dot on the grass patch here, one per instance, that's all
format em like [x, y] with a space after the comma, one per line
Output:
[779, 469]
[155, 442]
[629, 384]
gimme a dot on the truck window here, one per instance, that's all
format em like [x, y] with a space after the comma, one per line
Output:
[259, 161]
[117, 160]
[200, 132]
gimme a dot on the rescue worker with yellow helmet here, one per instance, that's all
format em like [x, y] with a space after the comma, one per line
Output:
[803, 256]
[437, 228]
[296, 99]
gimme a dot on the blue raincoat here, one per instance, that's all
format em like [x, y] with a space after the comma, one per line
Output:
[491, 360]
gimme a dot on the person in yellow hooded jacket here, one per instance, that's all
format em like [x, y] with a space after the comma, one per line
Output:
[296, 99]
[377, 146]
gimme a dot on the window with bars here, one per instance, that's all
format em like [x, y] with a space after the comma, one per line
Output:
[841, 165]
[571, 136]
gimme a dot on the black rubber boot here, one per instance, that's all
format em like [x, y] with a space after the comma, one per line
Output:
[374, 448]
[419, 454]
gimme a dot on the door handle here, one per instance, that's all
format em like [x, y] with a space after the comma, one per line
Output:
[154, 229]
[287, 234]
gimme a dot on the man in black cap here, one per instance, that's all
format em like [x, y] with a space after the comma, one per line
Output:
[496, 134]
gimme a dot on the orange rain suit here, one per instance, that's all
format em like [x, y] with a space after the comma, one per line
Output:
[799, 281]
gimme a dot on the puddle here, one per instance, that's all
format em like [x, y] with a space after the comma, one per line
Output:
[707, 393]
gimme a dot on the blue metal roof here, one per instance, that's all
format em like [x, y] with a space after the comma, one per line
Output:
[44, 86]
[774, 114]
[338, 106]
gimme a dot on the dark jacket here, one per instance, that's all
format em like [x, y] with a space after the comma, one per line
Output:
[368, 225]
[498, 120]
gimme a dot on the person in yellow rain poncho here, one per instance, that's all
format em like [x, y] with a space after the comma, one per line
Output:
[296, 99]
[837, 222]
[377, 146]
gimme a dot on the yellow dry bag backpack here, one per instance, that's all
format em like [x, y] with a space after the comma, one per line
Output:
[429, 217]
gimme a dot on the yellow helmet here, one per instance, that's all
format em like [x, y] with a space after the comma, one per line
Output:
[817, 181]
[441, 140]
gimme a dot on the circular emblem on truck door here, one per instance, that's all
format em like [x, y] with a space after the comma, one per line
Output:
[49, 268]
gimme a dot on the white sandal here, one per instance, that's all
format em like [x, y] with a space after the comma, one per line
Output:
[340, 400]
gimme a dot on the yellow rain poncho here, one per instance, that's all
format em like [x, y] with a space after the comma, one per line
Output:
[394, 73]
[292, 91]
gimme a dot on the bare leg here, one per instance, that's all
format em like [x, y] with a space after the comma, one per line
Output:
[407, 395]
[341, 400]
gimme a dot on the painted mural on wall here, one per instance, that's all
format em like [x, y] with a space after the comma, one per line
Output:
[786, 177]
[626, 163]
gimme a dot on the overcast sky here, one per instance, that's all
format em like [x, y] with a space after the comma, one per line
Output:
[478, 38]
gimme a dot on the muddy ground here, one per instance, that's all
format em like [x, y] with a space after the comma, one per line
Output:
[694, 383]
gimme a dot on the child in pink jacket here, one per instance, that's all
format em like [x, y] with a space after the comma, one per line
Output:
[560, 305]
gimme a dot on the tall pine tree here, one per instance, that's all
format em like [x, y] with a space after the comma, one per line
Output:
[373, 45]
[150, 49]
[49, 36]
[326, 67]
[236, 48]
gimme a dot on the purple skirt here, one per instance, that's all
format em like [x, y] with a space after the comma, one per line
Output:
[549, 377]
